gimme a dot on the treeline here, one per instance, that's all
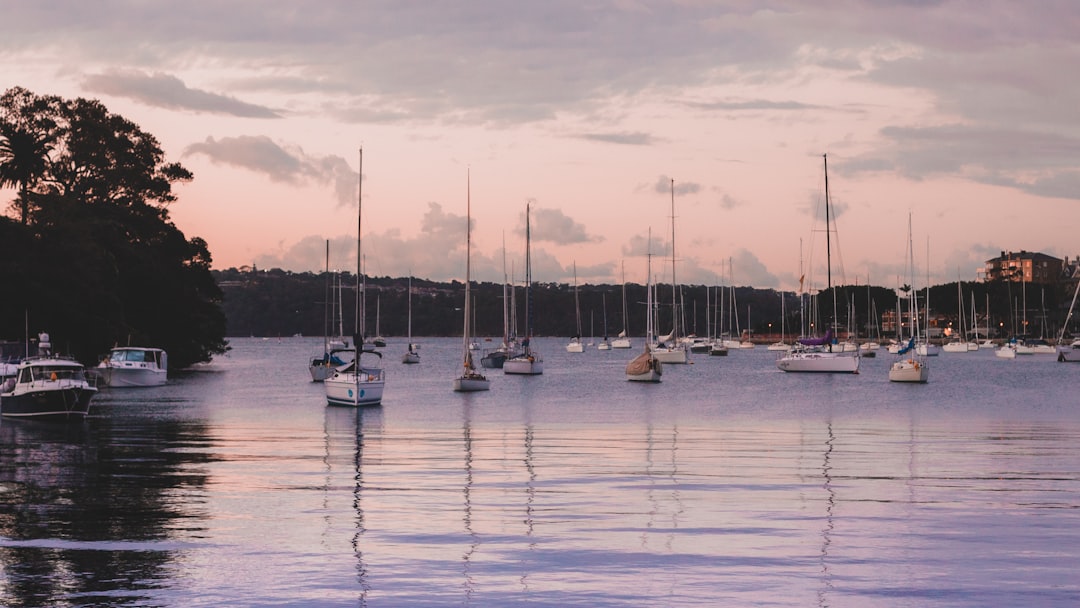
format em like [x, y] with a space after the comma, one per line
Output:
[88, 252]
[282, 303]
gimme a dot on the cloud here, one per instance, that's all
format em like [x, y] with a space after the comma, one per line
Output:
[281, 163]
[632, 139]
[165, 91]
[663, 186]
[553, 226]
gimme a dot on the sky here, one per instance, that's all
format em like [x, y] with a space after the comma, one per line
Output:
[961, 116]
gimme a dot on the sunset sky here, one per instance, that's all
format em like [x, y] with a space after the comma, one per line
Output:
[964, 114]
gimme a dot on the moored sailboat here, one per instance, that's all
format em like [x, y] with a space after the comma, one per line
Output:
[412, 354]
[527, 362]
[818, 355]
[470, 380]
[355, 383]
[669, 348]
[910, 365]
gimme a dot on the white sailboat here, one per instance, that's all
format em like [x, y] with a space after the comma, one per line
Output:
[910, 366]
[1071, 351]
[818, 355]
[575, 345]
[336, 352]
[355, 383]
[470, 380]
[411, 356]
[604, 344]
[646, 367]
[669, 348]
[623, 339]
[958, 342]
[780, 345]
[527, 362]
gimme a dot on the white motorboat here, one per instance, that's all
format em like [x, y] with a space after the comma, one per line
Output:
[131, 366]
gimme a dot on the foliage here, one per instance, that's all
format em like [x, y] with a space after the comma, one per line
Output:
[94, 258]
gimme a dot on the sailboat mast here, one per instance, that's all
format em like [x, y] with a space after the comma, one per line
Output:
[528, 281]
[326, 303]
[468, 264]
[674, 283]
[828, 243]
[357, 319]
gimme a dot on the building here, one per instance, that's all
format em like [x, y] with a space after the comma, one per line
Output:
[1024, 266]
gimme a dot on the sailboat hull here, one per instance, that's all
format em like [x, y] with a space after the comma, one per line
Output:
[677, 355]
[471, 384]
[524, 366]
[908, 370]
[345, 388]
[818, 362]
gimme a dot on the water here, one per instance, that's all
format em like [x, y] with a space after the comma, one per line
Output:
[731, 483]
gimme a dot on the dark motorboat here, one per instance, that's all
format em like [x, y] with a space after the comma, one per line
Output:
[48, 387]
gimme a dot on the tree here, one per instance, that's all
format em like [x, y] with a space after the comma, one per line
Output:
[24, 146]
[97, 259]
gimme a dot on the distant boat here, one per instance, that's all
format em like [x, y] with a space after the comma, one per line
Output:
[47, 387]
[575, 345]
[646, 367]
[909, 365]
[1070, 352]
[669, 349]
[336, 350]
[495, 358]
[604, 344]
[411, 356]
[622, 340]
[818, 355]
[470, 380]
[528, 362]
[354, 383]
[130, 366]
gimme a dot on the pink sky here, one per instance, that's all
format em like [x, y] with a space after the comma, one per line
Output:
[960, 113]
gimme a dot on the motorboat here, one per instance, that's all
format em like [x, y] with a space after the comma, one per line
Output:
[134, 366]
[48, 387]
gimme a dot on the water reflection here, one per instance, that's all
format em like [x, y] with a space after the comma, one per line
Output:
[345, 432]
[81, 510]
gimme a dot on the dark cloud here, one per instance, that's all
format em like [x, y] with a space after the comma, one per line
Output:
[165, 91]
[631, 139]
[281, 163]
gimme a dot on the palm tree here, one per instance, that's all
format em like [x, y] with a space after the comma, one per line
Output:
[24, 158]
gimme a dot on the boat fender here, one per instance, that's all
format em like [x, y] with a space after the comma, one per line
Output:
[53, 377]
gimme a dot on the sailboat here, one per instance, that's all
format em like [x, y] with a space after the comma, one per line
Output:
[623, 339]
[646, 367]
[604, 344]
[780, 345]
[817, 354]
[527, 362]
[354, 383]
[470, 380]
[910, 366]
[669, 348]
[494, 358]
[378, 340]
[411, 355]
[575, 345]
[1071, 351]
[334, 350]
[958, 343]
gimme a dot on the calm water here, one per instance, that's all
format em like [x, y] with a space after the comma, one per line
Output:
[729, 484]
